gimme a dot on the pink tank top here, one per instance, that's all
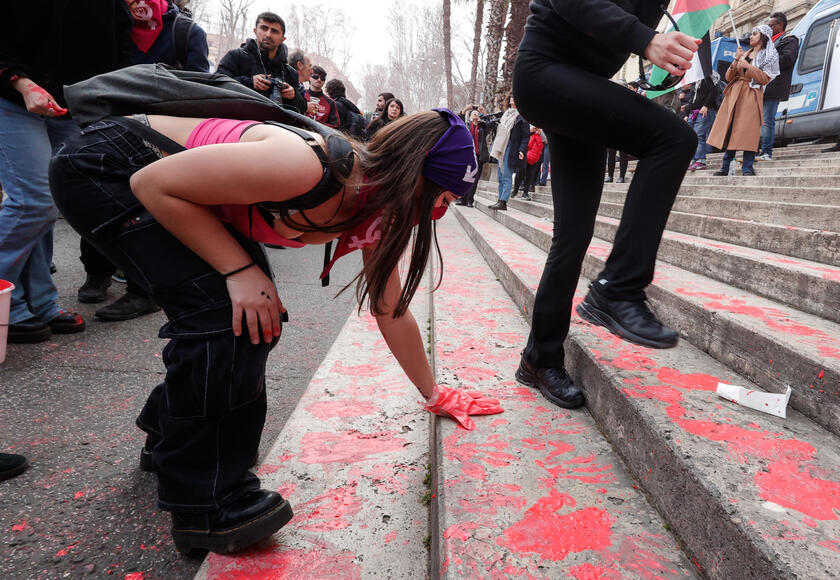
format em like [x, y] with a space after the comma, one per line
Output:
[244, 218]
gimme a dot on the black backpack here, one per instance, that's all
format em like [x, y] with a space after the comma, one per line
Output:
[181, 30]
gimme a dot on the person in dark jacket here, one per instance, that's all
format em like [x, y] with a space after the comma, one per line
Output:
[478, 131]
[41, 50]
[325, 110]
[161, 34]
[706, 104]
[352, 122]
[561, 82]
[509, 148]
[779, 88]
[164, 42]
[261, 64]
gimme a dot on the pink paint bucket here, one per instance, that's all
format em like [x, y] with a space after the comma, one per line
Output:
[5, 302]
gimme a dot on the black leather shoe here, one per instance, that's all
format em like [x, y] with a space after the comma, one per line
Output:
[95, 289]
[251, 518]
[128, 306]
[554, 384]
[67, 323]
[631, 320]
[12, 465]
[500, 205]
[834, 149]
[720, 173]
[29, 331]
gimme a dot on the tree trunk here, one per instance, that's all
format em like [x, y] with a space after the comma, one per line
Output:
[447, 49]
[513, 34]
[495, 31]
[479, 20]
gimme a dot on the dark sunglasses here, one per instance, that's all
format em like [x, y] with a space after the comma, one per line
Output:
[315, 76]
[669, 81]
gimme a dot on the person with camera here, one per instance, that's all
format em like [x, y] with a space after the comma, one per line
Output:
[260, 64]
[561, 82]
[478, 131]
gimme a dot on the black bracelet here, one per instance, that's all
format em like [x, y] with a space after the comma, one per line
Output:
[238, 270]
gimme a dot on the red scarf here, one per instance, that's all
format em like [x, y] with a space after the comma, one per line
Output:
[777, 36]
[148, 22]
[474, 133]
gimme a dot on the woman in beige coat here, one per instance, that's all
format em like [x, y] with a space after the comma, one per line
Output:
[738, 123]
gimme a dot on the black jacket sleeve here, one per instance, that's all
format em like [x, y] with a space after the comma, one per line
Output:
[231, 65]
[788, 50]
[524, 135]
[299, 101]
[197, 51]
[608, 22]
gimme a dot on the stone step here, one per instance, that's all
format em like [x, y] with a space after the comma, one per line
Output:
[747, 495]
[810, 195]
[742, 330]
[798, 242]
[800, 215]
[352, 460]
[810, 286]
[536, 491]
[706, 178]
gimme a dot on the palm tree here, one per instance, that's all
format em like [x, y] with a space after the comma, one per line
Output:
[479, 20]
[495, 31]
[513, 36]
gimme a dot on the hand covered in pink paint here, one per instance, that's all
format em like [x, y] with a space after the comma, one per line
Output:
[36, 99]
[459, 405]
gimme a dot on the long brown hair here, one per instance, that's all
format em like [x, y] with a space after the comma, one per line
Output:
[392, 163]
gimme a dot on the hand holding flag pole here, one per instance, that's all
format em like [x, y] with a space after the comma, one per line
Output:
[734, 30]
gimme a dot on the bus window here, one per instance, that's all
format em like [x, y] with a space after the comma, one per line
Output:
[813, 52]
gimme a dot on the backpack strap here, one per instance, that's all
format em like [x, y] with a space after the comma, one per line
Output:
[159, 140]
[181, 31]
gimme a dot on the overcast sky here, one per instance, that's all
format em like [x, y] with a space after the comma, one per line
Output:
[370, 39]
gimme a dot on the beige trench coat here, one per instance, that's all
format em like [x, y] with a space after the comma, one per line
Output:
[740, 110]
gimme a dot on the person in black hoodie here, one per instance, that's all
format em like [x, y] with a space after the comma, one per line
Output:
[778, 89]
[352, 122]
[561, 83]
[706, 103]
[41, 50]
[261, 64]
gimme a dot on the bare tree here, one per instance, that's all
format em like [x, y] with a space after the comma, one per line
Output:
[374, 81]
[476, 50]
[233, 23]
[447, 49]
[320, 30]
[196, 8]
[495, 31]
[513, 36]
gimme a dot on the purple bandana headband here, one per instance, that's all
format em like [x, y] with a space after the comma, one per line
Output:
[451, 162]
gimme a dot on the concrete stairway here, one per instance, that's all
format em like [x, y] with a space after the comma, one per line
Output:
[656, 478]
[755, 299]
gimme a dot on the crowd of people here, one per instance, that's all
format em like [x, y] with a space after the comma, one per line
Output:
[371, 182]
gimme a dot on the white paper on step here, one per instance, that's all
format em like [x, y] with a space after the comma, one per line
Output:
[772, 403]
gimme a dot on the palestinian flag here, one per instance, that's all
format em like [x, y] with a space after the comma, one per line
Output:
[694, 18]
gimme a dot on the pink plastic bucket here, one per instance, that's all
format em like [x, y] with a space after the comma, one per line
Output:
[5, 301]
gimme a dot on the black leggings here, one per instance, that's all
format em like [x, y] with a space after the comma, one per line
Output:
[622, 163]
[583, 114]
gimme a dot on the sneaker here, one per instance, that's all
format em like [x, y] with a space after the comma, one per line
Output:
[128, 306]
[67, 323]
[118, 276]
[721, 173]
[699, 166]
[748, 174]
[28, 331]
[631, 320]
[526, 197]
[53, 269]
[608, 180]
[620, 180]
[834, 149]
[12, 465]
[95, 289]
[554, 384]
[251, 518]
[764, 157]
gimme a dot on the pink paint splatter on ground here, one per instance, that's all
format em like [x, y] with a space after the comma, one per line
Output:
[592, 572]
[280, 563]
[328, 511]
[461, 531]
[347, 446]
[793, 487]
[20, 527]
[488, 499]
[134, 576]
[390, 537]
[368, 370]
[286, 489]
[542, 531]
[341, 408]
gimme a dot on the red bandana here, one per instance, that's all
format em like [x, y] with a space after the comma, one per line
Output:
[148, 22]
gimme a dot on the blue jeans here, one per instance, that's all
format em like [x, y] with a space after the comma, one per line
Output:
[702, 128]
[27, 142]
[768, 127]
[545, 166]
[747, 167]
[505, 173]
[205, 420]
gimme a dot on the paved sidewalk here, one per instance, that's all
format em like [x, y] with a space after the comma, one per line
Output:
[83, 509]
